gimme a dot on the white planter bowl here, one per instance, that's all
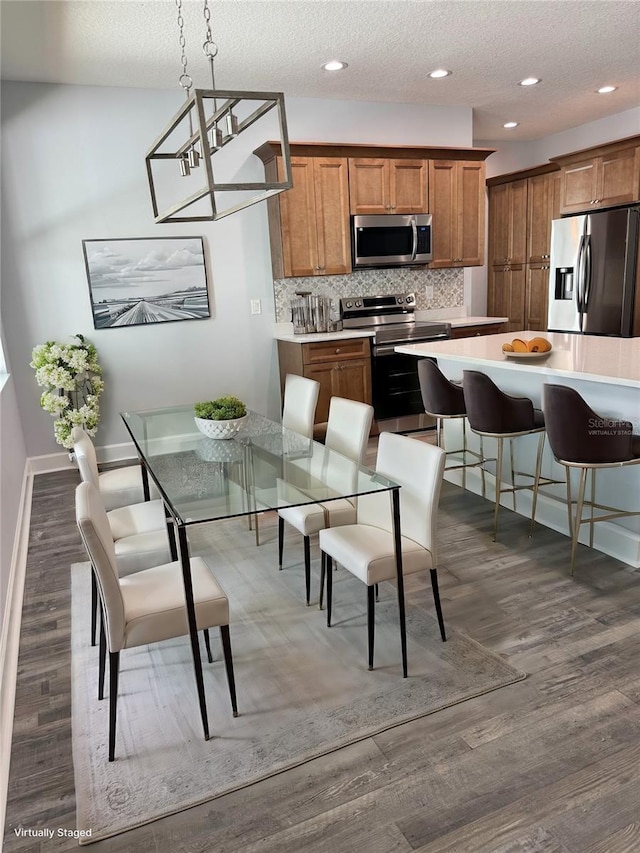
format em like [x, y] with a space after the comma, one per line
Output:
[220, 429]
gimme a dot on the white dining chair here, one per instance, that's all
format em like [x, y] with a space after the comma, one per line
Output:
[367, 548]
[348, 428]
[147, 606]
[117, 486]
[298, 413]
[299, 404]
[140, 539]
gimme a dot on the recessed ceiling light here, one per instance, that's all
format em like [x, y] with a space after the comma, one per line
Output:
[335, 65]
[511, 124]
[604, 90]
[440, 72]
[529, 81]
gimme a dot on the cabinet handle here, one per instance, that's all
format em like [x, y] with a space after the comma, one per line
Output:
[337, 350]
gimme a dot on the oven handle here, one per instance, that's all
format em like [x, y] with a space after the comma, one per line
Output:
[390, 349]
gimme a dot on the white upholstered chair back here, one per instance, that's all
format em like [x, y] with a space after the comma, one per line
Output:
[348, 427]
[85, 454]
[300, 401]
[418, 468]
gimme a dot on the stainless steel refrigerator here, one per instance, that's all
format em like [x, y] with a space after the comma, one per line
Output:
[594, 272]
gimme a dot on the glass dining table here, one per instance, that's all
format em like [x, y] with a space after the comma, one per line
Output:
[264, 467]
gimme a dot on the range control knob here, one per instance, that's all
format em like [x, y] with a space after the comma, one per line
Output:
[358, 303]
[399, 300]
[409, 298]
[349, 305]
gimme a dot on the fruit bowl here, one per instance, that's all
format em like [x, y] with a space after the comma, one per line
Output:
[527, 355]
[537, 347]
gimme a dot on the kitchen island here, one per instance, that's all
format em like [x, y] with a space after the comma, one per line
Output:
[605, 371]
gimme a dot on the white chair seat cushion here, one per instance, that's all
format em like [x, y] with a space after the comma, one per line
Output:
[154, 602]
[310, 518]
[145, 517]
[142, 551]
[369, 554]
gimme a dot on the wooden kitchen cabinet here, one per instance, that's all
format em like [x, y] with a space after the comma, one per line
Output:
[536, 297]
[508, 223]
[387, 186]
[310, 222]
[600, 177]
[457, 204]
[477, 331]
[341, 366]
[543, 206]
[309, 225]
[506, 296]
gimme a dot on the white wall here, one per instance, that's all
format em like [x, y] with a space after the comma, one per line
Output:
[73, 169]
[512, 156]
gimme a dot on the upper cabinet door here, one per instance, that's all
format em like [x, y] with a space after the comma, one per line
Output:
[331, 181]
[387, 186]
[619, 178]
[298, 221]
[600, 181]
[407, 186]
[499, 225]
[369, 186]
[457, 202]
[517, 222]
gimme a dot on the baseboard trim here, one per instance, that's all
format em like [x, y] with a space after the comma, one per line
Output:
[10, 638]
[61, 461]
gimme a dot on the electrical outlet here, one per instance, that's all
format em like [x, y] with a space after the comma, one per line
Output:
[256, 308]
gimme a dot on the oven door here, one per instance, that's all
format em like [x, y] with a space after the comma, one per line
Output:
[396, 387]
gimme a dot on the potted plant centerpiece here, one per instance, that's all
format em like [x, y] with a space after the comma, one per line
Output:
[221, 418]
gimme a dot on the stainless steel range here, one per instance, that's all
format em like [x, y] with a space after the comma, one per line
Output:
[396, 390]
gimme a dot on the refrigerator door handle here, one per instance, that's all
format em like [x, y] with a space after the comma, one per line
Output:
[580, 277]
[587, 274]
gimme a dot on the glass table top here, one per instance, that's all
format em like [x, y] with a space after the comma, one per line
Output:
[263, 467]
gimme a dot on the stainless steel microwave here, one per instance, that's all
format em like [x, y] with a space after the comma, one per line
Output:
[391, 240]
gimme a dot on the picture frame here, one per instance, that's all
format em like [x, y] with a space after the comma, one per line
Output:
[146, 280]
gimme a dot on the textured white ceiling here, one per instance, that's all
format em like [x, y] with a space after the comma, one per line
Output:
[574, 46]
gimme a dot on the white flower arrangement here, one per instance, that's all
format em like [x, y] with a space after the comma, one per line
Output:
[70, 374]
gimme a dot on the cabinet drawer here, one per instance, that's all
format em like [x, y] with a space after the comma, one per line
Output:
[335, 350]
[475, 331]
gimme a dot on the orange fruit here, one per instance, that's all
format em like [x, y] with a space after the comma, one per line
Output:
[507, 348]
[519, 345]
[539, 345]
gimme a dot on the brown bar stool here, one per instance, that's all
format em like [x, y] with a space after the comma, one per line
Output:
[494, 414]
[582, 439]
[444, 400]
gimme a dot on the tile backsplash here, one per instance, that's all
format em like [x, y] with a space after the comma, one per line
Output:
[447, 284]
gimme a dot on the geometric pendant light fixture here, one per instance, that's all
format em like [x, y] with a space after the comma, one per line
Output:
[190, 166]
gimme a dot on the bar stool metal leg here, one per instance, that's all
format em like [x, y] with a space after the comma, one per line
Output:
[484, 479]
[536, 482]
[498, 486]
[593, 503]
[513, 476]
[569, 501]
[578, 517]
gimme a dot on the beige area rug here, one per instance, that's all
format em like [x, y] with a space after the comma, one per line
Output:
[303, 689]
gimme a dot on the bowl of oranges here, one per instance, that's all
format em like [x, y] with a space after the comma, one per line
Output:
[534, 348]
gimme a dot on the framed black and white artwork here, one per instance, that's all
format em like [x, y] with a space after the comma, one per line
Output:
[134, 282]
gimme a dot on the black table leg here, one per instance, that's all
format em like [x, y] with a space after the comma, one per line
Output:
[400, 577]
[193, 630]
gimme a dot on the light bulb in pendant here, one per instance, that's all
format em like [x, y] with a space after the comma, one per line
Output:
[194, 158]
[232, 124]
[185, 168]
[215, 138]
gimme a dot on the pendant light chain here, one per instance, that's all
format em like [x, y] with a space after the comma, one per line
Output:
[184, 80]
[209, 47]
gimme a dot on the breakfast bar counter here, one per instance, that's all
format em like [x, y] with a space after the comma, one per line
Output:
[605, 371]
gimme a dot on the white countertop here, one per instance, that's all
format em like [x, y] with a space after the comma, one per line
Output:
[457, 322]
[613, 361]
[284, 331]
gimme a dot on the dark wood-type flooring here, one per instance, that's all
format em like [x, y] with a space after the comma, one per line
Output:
[549, 764]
